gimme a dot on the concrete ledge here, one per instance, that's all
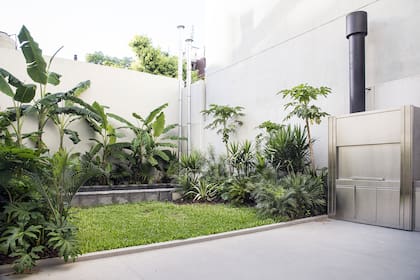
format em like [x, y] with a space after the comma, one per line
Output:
[7, 269]
[120, 196]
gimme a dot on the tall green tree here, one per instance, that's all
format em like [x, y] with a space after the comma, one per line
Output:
[151, 59]
[301, 97]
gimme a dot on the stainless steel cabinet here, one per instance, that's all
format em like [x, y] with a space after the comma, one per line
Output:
[374, 167]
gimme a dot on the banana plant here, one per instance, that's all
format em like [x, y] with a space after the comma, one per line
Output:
[47, 106]
[21, 94]
[107, 153]
[150, 145]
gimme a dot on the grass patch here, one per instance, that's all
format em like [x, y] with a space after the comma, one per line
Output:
[118, 226]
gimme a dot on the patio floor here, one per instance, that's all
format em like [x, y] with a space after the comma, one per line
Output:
[328, 249]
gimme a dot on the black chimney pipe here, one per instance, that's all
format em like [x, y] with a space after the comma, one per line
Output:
[356, 30]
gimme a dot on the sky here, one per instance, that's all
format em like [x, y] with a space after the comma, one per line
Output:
[87, 26]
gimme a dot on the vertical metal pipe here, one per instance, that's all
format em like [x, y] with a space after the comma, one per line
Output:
[188, 87]
[180, 87]
[356, 30]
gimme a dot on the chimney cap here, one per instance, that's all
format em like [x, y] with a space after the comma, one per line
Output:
[356, 22]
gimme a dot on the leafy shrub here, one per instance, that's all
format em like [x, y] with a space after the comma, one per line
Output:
[191, 171]
[238, 191]
[287, 149]
[241, 158]
[215, 167]
[203, 191]
[296, 196]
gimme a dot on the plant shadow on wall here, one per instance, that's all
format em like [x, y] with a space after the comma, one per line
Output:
[275, 173]
[37, 184]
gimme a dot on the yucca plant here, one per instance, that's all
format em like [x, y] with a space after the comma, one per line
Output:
[203, 191]
[241, 158]
[287, 149]
[191, 171]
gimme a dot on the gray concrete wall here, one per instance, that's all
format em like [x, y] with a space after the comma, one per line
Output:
[256, 48]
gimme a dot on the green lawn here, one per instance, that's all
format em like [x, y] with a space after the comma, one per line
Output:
[117, 226]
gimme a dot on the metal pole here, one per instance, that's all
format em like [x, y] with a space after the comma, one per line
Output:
[188, 86]
[356, 30]
[180, 87]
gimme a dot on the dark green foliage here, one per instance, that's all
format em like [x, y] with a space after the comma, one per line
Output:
[215, 168]
[36, 190]
[151, 150]
[287, 149]
[295, 196]
[238, 191]
[62, 237]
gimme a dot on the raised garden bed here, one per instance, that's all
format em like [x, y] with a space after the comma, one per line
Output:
[105, 195]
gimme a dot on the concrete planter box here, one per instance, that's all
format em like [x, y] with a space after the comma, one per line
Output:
[104, 195]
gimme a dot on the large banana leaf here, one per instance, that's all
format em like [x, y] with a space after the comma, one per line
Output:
[4, 87]
[25, 93]
[154, 113]
[35, 63]
[52, 99]
[121, 119]
[159, 125]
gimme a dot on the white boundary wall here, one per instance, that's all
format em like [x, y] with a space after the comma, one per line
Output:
[124, 91]
[256, 48]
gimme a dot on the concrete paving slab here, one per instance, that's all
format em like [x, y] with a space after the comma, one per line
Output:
[328, 249]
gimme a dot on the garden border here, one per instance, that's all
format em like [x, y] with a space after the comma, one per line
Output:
[7, 269]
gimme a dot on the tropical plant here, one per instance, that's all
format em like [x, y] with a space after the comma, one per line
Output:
[295, 196]
[36, 191]
[22, 211]
[191, 168]
[215, 167]
[20, 241]
[302, 96]
[107, 154]
[238, 191]
[47, 105]
[152, 146]
[203, 191]
[226, 120]
[241, 158]
[65, 108]
[286, 149]
[12, 117]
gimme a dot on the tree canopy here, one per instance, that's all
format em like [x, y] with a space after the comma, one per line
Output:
[99, 57]
[149, 59]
